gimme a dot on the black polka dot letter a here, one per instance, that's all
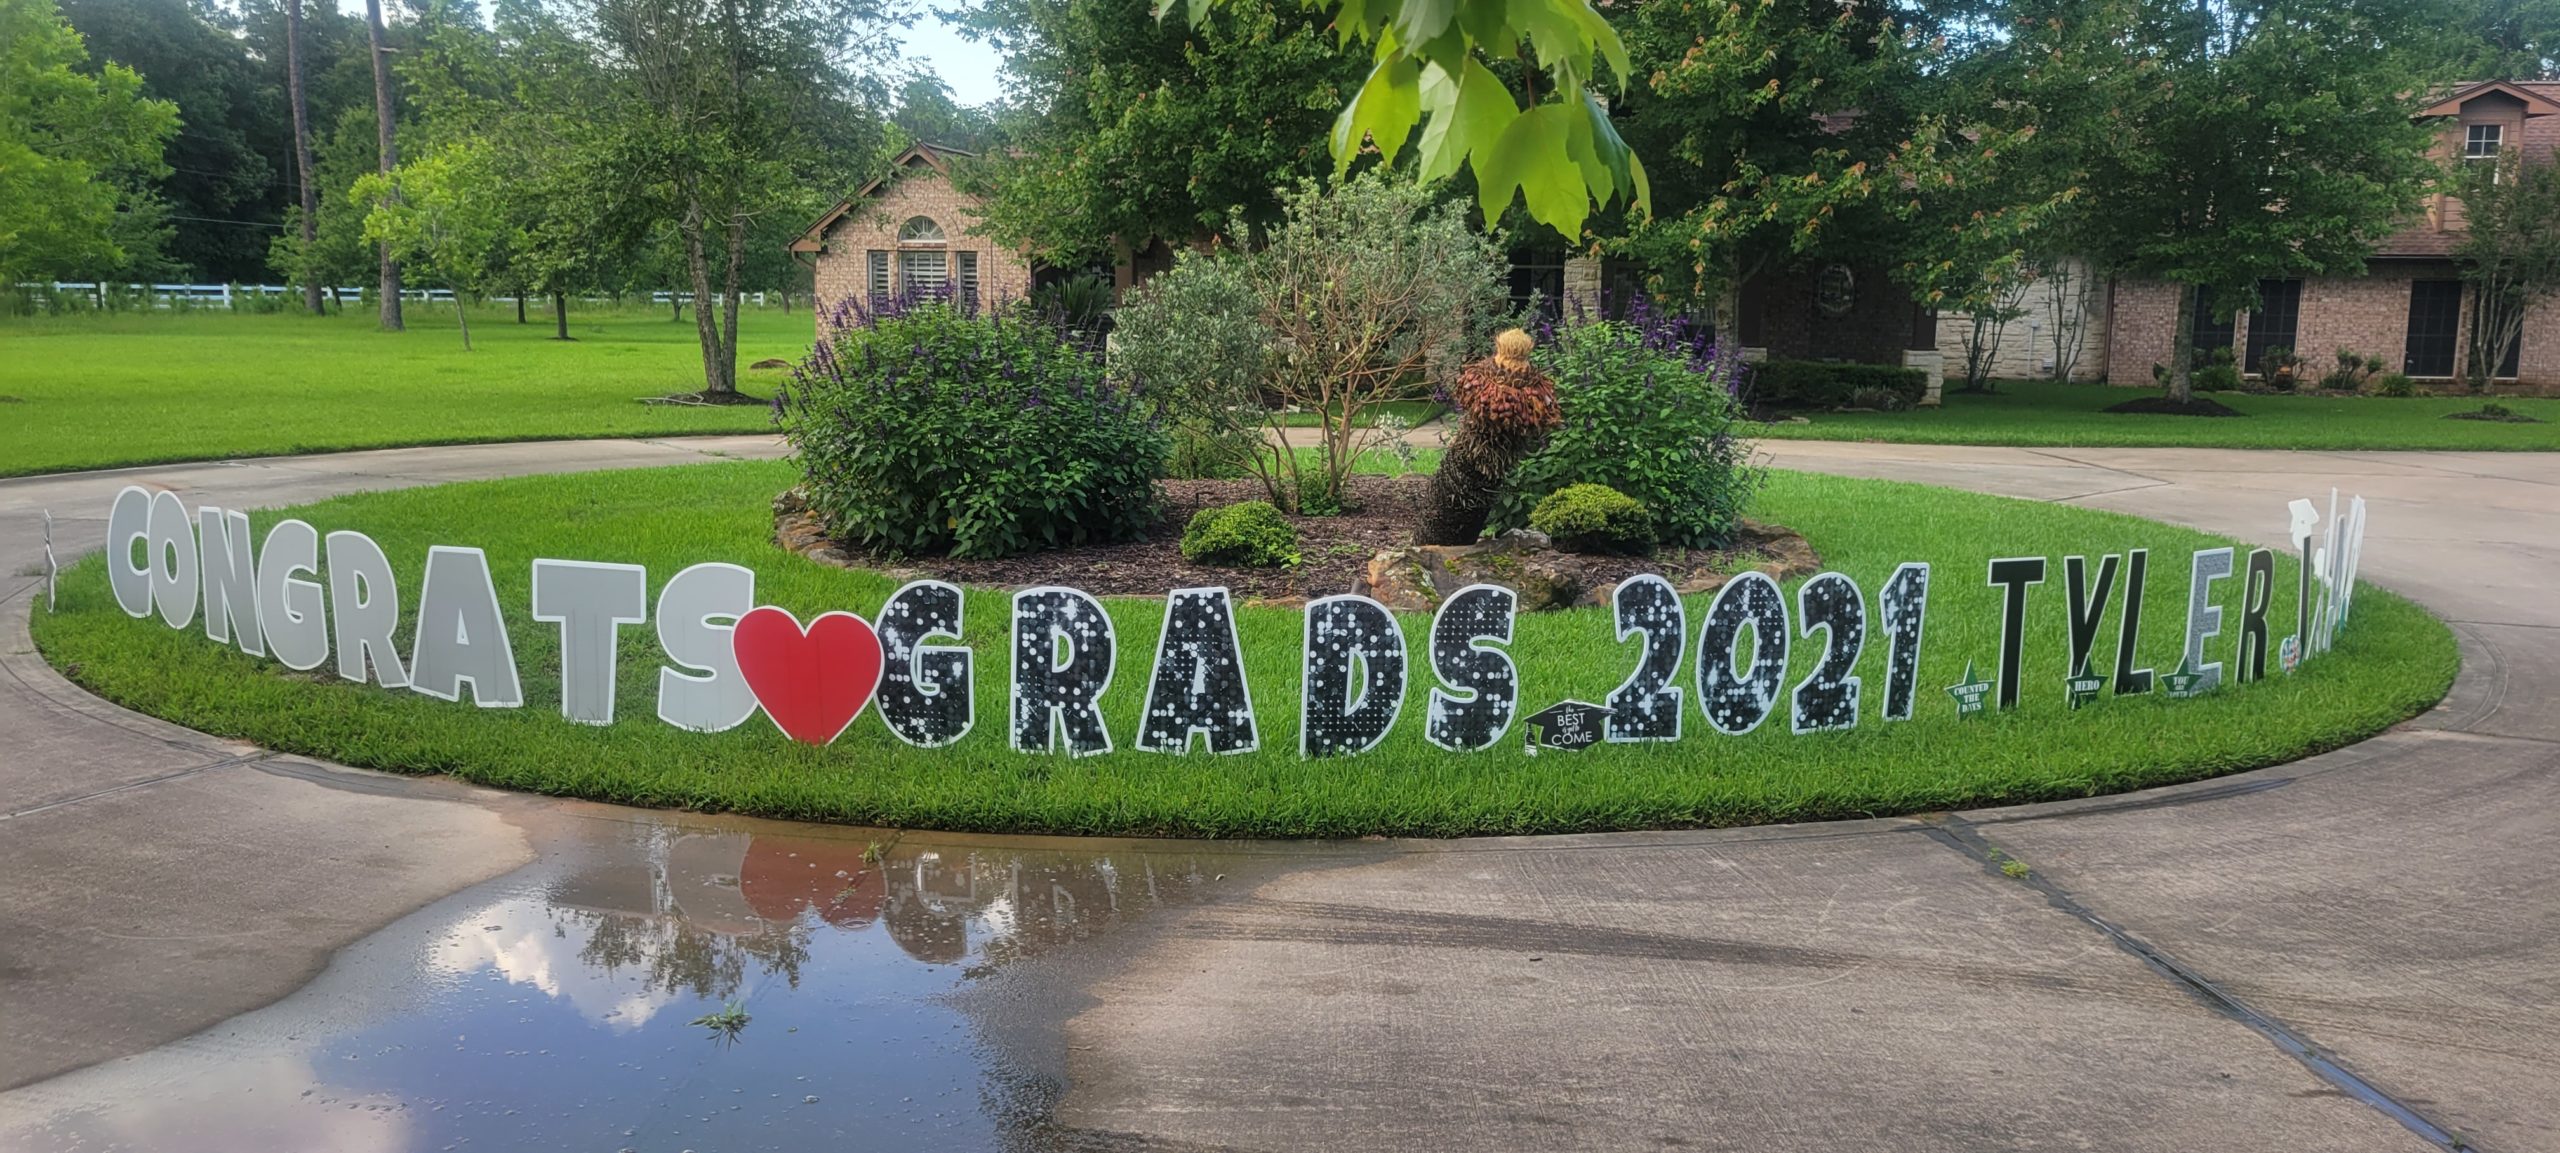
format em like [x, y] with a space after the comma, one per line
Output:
[1199, 684]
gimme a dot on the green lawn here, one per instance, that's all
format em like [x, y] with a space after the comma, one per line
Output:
[2393, 660]
[98, 390]
[2041, 413]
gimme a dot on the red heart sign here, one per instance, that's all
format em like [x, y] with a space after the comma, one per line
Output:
[811, 681]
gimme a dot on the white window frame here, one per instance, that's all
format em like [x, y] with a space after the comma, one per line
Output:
[2476, 136]
[914, 276]
[965, 273]
[876, 273]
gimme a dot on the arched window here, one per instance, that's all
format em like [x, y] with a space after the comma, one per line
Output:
[920, 231]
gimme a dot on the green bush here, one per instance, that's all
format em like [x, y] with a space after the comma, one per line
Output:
[1646, 411]
[2219, 373]
[1250, 533]
[2395, 384]
[1192, 341]
[1594, 518]
[923, 427]
[1828, 384]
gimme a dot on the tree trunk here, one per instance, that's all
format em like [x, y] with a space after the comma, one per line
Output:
[383, 117]
[705, 320]
[675, 309]
[729, 305]
[2182, 346]
[302, 154]
[560, 316]
[463, 318]
[519, 306]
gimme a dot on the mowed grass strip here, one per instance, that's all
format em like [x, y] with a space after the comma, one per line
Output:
[102, 390]
[2045, 414]
[2392, 661]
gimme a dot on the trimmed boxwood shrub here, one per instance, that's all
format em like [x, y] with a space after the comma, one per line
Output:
[925, 427]
[1645, 411]
[1250, 533]
[1594, 518]
[1827, 384]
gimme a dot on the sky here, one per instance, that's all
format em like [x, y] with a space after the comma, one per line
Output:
[972, 71]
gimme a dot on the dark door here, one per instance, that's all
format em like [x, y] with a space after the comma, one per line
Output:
[1537, 278]
[2435, 327]
[2273, 324]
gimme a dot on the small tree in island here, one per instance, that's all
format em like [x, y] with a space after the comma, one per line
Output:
[2510, 253]
[1363, 293]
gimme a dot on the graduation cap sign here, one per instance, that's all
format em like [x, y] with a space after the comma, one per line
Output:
[1570, 725]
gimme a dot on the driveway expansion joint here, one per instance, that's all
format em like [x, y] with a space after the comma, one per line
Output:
[1963, 836]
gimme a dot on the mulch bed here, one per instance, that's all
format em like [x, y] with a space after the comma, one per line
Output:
[2163, 406]
[1335, 550]
[2501, 416]
[712, 399]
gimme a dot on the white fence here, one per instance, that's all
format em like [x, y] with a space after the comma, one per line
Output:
[231, 295]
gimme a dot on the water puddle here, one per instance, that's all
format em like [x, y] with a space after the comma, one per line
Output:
[554, 1008]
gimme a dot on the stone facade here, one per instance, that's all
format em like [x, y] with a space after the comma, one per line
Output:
[876, 219]
[2073, 303]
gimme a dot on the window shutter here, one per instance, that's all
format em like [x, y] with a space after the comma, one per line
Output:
[879, 260]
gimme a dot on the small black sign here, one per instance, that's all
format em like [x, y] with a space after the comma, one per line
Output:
[1569, 725]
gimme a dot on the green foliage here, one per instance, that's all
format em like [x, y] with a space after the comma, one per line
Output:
[72, 146]
[1250, 533]
[930, 429]
[1594, 518]
[717, 126]
[1835, 384]
[2353, 372]
[441, 210]
[230, 163]
[2253, 140]
[2395, 384]
[1647, 421]
[1558, 155]
[1152, 130]
[1192, 341]
[1075, 304]
[1774, 122]
[2218, 374]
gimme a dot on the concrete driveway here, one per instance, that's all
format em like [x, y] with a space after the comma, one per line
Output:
[2357, 951]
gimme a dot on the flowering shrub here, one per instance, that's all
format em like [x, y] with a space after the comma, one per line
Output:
[924, 427]
[1649, 411]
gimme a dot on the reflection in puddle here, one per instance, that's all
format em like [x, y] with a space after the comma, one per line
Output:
[552, 1008]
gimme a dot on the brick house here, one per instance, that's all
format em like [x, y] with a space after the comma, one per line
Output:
[909, 231]
[2410, 308]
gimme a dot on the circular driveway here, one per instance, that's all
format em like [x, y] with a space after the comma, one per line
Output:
[2356, 951]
